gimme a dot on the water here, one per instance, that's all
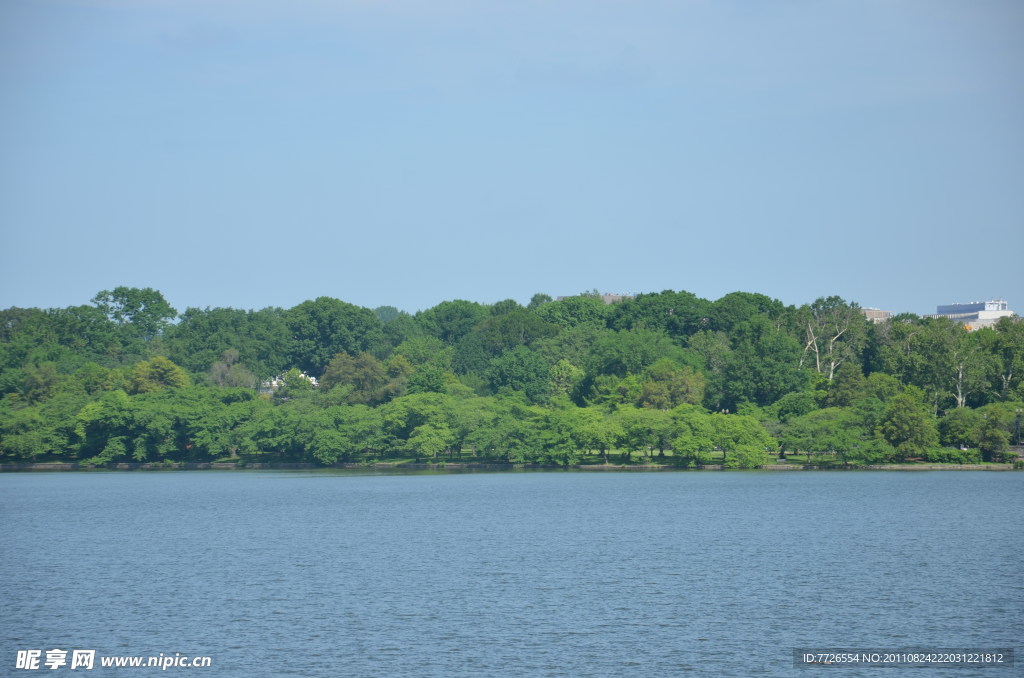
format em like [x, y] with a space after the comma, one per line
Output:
[509, 574]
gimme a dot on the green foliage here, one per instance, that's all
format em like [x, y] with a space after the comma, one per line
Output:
[742, 439]
[157, 373]
[505, 306]
[667, 384]
[387, 314]
[693, 436]
[144, 312]
[575, 311]
[203, 337]
[794, 405]
[556, 382]
[631, 351]
[367, 380]
[512, 329]
[678, 314]
[229, 373]
[564, 378]
[995, 429]
[763, 365]
[324, 327]
[428, 378]
[521, 369]
[908, 427]
[739, 307]
[645, 430]
[947, 455]
[961, 428]
[449, 321]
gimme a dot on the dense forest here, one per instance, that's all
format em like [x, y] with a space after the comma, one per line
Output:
[661, 378]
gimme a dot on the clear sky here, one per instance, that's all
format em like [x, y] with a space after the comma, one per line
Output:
[254, 153]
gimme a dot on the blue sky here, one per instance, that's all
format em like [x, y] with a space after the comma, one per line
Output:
[256, 153]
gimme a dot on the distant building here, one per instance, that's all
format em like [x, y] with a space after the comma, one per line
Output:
[607, 297]
[876, 315]
[268, 387]
[976, 314]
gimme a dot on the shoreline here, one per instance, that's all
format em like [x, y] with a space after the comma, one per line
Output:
[28, 467]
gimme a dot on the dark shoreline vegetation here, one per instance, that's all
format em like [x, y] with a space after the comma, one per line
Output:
[379, 468]
[665, 379]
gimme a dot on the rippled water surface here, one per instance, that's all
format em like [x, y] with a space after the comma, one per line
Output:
[510, 574]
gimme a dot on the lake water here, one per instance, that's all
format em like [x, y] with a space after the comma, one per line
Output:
[575, 574]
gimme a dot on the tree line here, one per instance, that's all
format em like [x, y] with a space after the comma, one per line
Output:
[667, 377]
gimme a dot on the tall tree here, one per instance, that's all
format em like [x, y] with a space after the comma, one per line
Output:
[575, 311]
[1006, 346]
[449, 321]
[324, 327]
[679, 314]
[521, 369]
[835, 333]
[158, 373]
[908, 427]
[667, 384]
[763, 365]
[144, 310]
[739, 307]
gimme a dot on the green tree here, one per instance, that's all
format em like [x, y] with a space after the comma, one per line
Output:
[575, 311]
[41, 381]
[794, 405]
[595, 431]
[430, 440]
[763, 366]
[157, 373]
[715, 352]
[102, 421]
[847, 385]
[201, 337]
[645, 430]
[908, 427]
[833, 430]
[505, 306]
[449, 321]
[429, 378]
[667, 384]
[387, 314]
[960, 427]
[564, 378]
[632, 351]
[739, 307]
[322, 328]
[521, 369]
[365, 377]
[144, 311]
[229, 373]
[742, 439]
[1006, 348]
[835, 333]
[293, 384]
[424, 349]
[693, 436]
[539, 300]
[511, 329]
[994, 432]
[678, 314]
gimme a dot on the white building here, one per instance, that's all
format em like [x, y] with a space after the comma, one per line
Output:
[876, 315]
[277, 382]
[976, 314]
